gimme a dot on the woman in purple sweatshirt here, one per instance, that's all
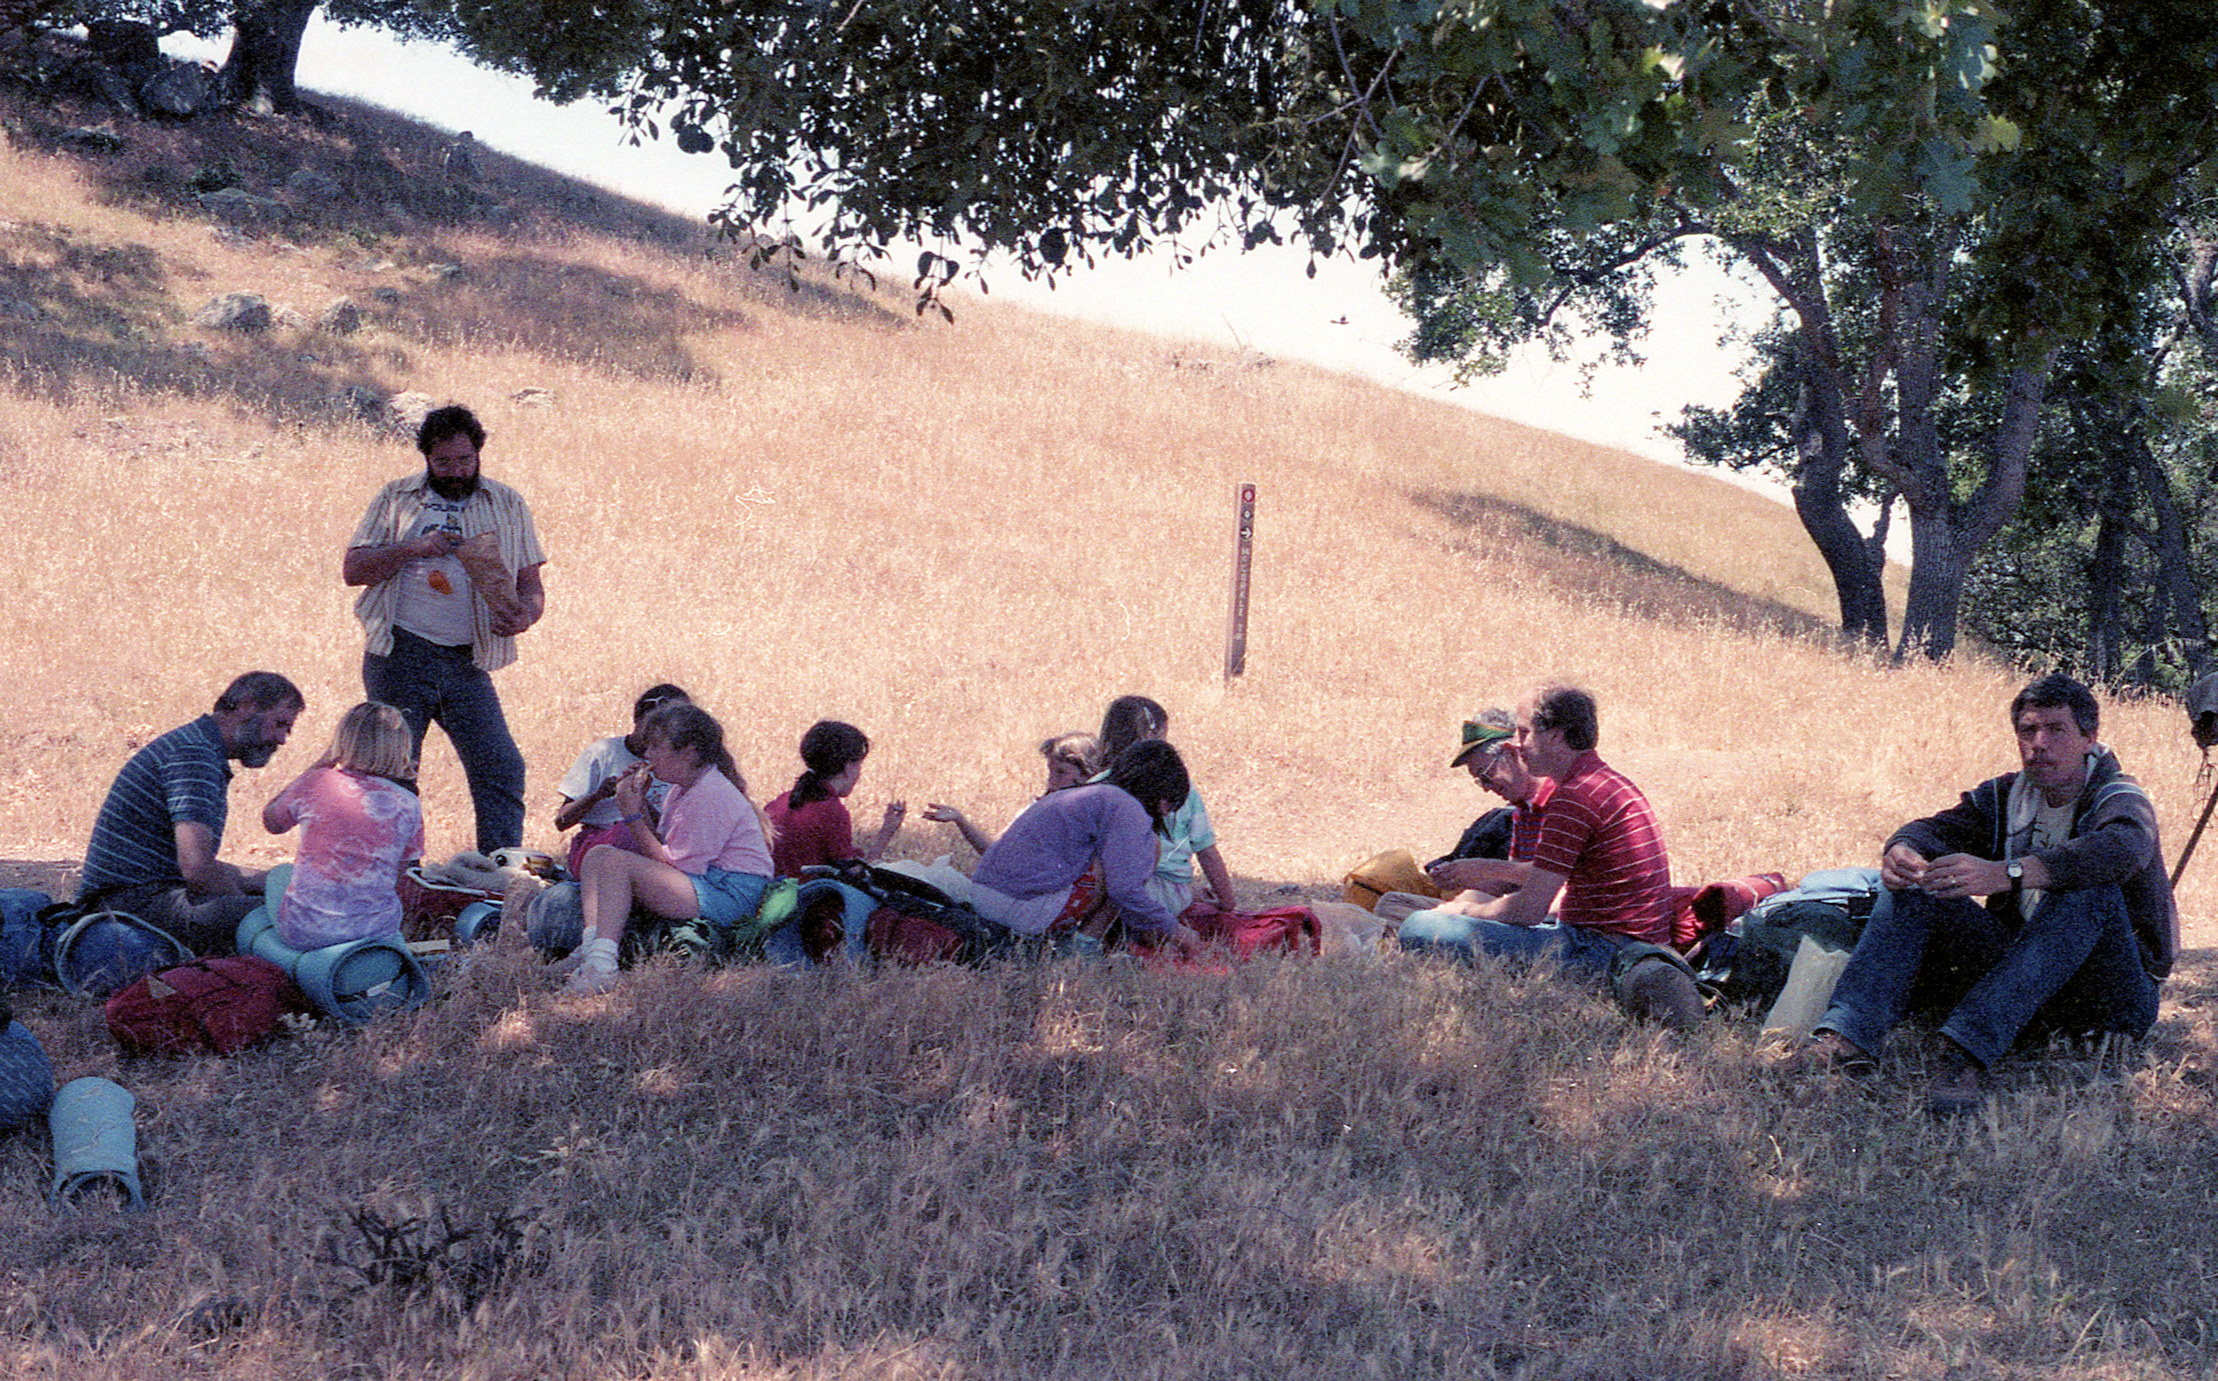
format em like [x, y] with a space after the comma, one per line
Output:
[1025, 879]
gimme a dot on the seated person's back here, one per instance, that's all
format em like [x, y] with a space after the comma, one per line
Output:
[359, 827]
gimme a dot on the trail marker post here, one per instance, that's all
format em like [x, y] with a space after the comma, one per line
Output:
[1243, 553]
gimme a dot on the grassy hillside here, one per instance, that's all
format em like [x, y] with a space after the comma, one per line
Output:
[963, 538]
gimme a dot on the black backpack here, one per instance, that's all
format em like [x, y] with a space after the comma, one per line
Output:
[1748, 965]
[1487, 837]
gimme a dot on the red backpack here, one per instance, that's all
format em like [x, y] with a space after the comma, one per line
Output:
[1293, 929]
[219, 1005]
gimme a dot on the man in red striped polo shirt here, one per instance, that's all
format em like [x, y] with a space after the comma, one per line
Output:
[1599, 848]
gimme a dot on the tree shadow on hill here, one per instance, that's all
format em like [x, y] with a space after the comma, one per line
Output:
[388, 163]
[389, 180]
[75, 316]
[1593, 567]
[565, 311]
[78, 313]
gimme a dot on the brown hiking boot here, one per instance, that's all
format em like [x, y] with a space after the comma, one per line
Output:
[1830, 1052]
[1660, 991]
[1959, 1088]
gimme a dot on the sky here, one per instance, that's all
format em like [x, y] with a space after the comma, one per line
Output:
[1262, 300]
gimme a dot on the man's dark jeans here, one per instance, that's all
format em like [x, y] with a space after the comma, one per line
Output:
[2073, 967]
[207, 925]
[430, 684]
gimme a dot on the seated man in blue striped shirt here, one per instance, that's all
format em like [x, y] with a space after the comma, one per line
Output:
[154, 845]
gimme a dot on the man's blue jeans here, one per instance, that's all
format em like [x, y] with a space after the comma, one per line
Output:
[430, 684]
[2073, 966]
[1576, 949]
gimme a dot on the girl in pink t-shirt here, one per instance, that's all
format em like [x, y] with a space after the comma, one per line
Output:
[708, 857]
[360, 825]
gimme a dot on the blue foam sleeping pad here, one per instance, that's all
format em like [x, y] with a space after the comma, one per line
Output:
[354, 981]
[95, 1141]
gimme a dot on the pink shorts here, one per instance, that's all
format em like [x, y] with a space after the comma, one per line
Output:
[618, 834]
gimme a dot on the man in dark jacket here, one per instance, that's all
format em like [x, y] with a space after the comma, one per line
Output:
[2078, 929]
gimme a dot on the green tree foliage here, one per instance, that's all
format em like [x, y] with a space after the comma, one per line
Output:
[570, 50]
[1056, 130]
[1941, 201]
[2104, 569]
[1050, 129]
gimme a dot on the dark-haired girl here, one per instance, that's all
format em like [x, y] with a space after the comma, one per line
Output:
[709, 857]
[1024, 882]
[813, 825]
[1189, 840]
[588, 790]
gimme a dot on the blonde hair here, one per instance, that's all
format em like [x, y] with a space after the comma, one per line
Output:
[374, 738]
[1082, 751]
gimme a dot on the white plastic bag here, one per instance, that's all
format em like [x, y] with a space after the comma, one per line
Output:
[1808, 989]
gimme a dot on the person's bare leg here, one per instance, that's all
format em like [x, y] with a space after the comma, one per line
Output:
[614, 881]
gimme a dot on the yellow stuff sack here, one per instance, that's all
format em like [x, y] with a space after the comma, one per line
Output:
[1395, 870]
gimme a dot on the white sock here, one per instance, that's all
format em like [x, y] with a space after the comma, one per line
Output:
[600, 953]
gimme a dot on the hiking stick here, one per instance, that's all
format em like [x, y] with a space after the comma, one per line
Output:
[2189, 852]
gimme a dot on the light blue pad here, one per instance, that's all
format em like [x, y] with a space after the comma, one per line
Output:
[95, 1141]
[354, 981]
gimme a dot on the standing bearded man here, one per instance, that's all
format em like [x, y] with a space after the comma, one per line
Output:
[449, 562]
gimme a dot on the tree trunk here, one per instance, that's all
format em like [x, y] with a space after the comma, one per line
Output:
[1821, 451]
[265, 48]
[2175, 594]
[1938, 565]
[2106, 580]
[1794, 268]
[1939, 558]
[1944, 534]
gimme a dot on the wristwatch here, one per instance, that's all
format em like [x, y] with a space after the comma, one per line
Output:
[2015, 870]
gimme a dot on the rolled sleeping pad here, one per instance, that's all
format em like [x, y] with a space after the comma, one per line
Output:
[784, 945]
[26, 1078]
[354, 981]
[357, 992]
[478, 922]
[95, 1142]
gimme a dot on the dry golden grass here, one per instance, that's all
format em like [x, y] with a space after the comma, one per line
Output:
[1323, 1169]
[963, 539]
